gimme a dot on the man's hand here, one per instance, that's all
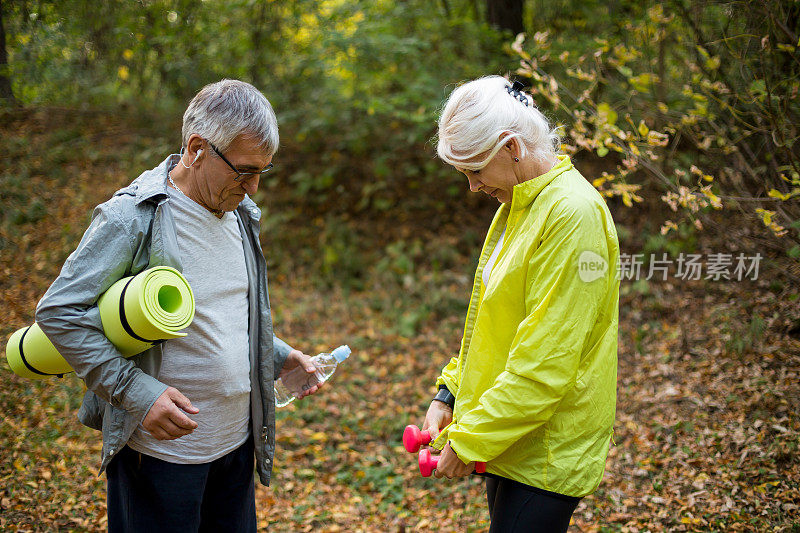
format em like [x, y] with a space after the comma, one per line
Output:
[438, 416]
[166, 419]
[450, 465]
[297, 358]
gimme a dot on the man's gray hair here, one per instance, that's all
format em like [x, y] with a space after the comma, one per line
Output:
[222, 111]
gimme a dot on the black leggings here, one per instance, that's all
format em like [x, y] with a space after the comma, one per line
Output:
[515, 507]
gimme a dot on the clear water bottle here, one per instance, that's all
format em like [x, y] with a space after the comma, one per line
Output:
[298, 380]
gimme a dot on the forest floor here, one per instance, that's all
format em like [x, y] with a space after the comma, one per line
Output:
[707, 426]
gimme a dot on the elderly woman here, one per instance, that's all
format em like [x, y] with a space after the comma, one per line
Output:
[532, 391]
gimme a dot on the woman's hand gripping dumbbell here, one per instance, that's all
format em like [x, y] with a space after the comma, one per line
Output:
[413, 439]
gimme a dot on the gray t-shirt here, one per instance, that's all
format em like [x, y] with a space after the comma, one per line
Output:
[211, 365]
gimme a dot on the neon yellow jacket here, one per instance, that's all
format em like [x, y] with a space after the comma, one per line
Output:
[535, 379]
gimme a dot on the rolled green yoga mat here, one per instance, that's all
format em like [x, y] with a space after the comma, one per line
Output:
[137, 312]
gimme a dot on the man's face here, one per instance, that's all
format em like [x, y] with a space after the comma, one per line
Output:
[221, 191]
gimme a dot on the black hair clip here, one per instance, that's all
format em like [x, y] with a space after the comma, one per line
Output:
[515, 90]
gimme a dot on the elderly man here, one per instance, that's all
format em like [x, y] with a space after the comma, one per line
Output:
[183, 422]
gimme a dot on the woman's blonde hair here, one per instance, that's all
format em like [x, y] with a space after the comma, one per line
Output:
[481, 116]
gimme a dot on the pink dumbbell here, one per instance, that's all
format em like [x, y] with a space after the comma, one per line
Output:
[428, 462]
[413, 438]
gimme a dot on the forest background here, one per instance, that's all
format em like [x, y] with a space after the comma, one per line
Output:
[683, 114]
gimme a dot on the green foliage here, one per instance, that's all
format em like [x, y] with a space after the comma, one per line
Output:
[695, 100]
[692, 102]
[20, 206]
[747, 336]
[356, 85]
[366, 89]
[682, 240]
[342, 260]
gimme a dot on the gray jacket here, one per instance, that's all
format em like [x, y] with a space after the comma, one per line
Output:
[131, 232]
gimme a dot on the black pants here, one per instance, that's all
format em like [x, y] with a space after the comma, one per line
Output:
[149, 495]
[515, 507]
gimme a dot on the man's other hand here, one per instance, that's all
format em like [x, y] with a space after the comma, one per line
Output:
[296, 359]
[166, 419]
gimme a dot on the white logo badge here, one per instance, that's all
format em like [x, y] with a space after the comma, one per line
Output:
[591, 266]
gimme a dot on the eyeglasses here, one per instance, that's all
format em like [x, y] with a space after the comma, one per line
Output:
[240, 175]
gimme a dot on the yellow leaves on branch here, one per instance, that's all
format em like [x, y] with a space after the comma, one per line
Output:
[600, 128]
[694, 201]
[626, 191]
[643, 82]
[517, 46]
[767, 215]
[713, 199]
[656, 138]
[598, 183]
[774, 193]
[580, 74]
[699, 173]
[657, 16]
[766, 218]
[608, 115]
[668, 226]
[540, 38]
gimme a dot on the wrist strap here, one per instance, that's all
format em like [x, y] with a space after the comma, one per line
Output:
[444, 395]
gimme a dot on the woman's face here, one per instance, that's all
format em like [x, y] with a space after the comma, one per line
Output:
[497, 178]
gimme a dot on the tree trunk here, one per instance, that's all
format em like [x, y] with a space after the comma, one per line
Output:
[505, 14]
[258, 67]
[5, 82]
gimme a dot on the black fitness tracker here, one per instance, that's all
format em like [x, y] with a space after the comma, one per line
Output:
[445, 396]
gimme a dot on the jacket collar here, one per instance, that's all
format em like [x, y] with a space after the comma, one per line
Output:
[526, 192]
[151, 186]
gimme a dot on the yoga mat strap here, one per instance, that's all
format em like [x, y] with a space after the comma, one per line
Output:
[124, 320]
[27, 364]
